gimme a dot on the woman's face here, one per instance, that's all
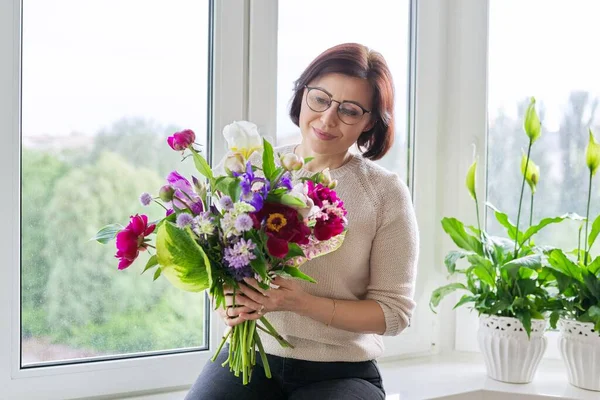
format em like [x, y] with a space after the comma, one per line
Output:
[323, 132]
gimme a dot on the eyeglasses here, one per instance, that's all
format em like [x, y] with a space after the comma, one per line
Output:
[319, 101]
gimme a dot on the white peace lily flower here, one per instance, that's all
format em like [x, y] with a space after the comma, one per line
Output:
[300, 191]
[243, 137]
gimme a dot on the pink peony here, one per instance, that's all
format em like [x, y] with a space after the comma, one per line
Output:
[132, 239]
[181, 140]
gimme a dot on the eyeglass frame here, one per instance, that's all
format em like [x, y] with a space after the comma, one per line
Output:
[331, 100]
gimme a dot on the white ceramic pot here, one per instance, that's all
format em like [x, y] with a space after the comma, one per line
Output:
[510, 356]
[579, 346]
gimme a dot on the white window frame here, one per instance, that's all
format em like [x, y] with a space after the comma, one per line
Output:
[113, 377]
[426, 111]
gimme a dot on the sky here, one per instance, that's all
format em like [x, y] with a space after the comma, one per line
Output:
[89, 63]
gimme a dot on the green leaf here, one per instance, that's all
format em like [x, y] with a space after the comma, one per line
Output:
[108, 233]
[527, 286]
[438, 294]
[295, 251]
[465, 299]
[156, 274]
[152, 262]
[461, 238]
[222, 184]
[202, 166]
[554, 317]
[183, 262]
[308, 159]
[512, 267]
[526, 320]
[292, 201]
[595, 231]
[483, 269]
[545, 222]
[452, 257]
[504, 221]
[259, 266]
[296, 273]
[269, 167]
[594, 266]
[559, 262]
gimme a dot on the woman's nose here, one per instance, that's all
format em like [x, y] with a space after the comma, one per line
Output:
[329, 117]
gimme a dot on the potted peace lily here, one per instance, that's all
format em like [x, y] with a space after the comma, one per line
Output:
[578, 280]
[503, 279]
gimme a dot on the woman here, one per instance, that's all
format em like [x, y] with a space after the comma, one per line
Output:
[365, 289]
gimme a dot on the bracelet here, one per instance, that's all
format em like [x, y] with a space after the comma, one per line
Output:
[333, 313]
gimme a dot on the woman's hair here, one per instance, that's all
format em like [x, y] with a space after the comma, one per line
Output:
[358, 61]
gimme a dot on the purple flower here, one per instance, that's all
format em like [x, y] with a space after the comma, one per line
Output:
[285, 181]
[184, 196]
[145, 199]
[181, 140]
[240, 273]
[254, 189]
[169, 212]
[184, 219]
[226, 203]
[243, 223]
[240, 255]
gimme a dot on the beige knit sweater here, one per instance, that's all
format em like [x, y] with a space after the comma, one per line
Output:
[377, 261]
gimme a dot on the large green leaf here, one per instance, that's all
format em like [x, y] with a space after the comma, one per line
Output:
[559, 262]
[461, 238]
[441, 292]
[296, 273]
[594, 266]
[504, 221]
[512, 267]
[545, 222]
[269, 167]
[483, 269]
[595, 231]
[182, 261]
[108, 233]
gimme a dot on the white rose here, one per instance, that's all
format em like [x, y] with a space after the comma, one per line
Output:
[242, 137]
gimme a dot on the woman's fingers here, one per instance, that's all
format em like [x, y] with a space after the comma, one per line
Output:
[241, 300]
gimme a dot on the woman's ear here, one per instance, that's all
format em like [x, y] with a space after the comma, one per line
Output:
[370, 125]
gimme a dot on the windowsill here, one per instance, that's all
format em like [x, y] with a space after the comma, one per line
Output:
[457, 375]
[462, 375]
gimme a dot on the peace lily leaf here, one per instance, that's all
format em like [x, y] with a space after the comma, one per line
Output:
[452, 257]
[183, 262]
[561, 263]
[108, 233]
[504, 221]
[513, 267]
[465, 299]
[594, 267]
[484, 269]
[441, 292]
[547, 221]
[595, 231]
[461, 238]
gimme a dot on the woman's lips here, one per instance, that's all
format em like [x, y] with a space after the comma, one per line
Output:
[323, 135]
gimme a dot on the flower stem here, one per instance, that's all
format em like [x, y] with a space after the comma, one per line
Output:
[531, 213]
[221, 345]
[274, 333]
[587, 222]
[521, 198]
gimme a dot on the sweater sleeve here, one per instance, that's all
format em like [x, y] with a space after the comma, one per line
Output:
[394, 255]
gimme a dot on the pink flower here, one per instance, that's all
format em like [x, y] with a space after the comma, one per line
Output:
[182, 140]
[331, 218]
[131, 240]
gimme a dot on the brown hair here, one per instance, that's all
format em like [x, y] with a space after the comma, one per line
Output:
[358, 61]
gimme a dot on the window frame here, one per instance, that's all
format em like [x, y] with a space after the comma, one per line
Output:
[120, 376]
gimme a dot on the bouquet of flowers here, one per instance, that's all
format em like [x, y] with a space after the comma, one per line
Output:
[251, 221]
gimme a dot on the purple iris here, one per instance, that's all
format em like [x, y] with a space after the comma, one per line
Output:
[254, 189]
[185, 196]
[285, 181]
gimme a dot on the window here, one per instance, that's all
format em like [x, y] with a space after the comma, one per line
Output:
[308, 28]
[97, 108]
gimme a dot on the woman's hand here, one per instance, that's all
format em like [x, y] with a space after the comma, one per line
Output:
[252, 302]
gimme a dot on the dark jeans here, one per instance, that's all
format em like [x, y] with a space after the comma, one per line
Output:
[291, 379]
